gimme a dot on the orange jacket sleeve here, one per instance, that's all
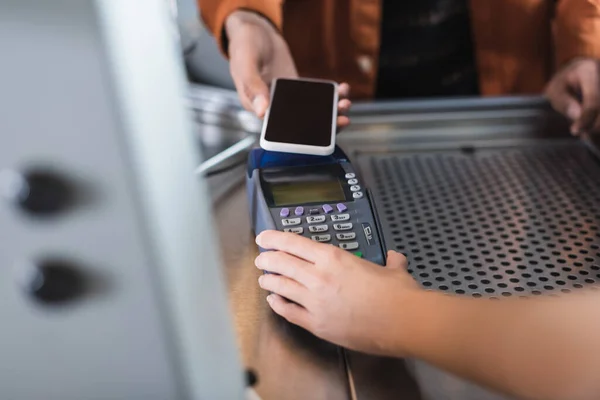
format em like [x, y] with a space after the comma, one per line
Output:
[215, 12]
[576, 30]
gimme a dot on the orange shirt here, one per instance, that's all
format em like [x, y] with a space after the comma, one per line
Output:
[518, 43]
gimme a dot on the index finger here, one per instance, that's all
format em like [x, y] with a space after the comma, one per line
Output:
[586, 121]
[344, 90]
[590, 95]
[293, 244]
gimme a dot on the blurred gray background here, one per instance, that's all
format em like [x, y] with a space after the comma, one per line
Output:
[204, 62]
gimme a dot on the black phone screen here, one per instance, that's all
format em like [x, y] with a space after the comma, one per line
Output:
[301, 113]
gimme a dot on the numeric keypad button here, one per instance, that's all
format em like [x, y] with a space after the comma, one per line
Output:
[318, 228]
[291, 221]
[299, 230]
[346, 236]
[316, 219]
[349, 246]
[343, 227]
[321, 238]
[340, 217]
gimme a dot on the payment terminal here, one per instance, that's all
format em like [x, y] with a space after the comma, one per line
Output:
[319, 197]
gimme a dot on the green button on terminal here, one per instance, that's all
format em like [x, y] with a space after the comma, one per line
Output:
[358, 254]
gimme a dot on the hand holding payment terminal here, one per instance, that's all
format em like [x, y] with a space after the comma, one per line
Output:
[318, 197]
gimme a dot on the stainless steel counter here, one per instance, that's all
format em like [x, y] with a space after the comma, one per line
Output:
[430, 127]
[292, 364]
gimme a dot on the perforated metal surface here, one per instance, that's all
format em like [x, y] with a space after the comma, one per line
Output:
[495, 222]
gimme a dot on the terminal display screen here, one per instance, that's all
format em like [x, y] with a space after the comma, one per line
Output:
[285, 187]
[307, 192]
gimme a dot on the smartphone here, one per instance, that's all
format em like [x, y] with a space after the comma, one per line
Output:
[302, 117]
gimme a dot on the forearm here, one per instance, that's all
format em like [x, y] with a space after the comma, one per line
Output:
[538, 349]
[240, 17]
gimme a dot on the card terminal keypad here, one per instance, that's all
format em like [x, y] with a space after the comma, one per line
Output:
[337, 224]
[318, 227]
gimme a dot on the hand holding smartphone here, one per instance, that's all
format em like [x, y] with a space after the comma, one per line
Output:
[302, 117]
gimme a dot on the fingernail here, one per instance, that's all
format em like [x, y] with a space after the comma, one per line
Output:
[259, 104]
[573, 112]
[260, 279]
[257, 240]
[270, 298]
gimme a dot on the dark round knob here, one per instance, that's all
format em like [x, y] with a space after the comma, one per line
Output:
[53, 282]
[468, 149]
[251, 378]
[36, 192]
